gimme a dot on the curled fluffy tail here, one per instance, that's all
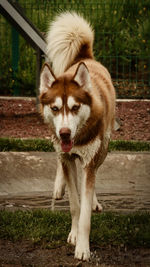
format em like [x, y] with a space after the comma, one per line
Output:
[69, 38]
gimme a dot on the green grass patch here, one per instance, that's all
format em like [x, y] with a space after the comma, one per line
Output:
[122, 145]
[52, 228]
[15, 144]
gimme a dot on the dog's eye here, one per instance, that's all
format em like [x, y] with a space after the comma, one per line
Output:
[55, 109]
[75, 107]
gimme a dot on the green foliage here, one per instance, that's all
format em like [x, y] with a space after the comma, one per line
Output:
[122, 145]
[122, 43]
[51, 228]
[16, 144]
[125, 230]
[37, 225]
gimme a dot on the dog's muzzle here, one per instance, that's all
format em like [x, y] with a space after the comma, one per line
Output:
[66, 142]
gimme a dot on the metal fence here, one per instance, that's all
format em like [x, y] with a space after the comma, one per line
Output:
[122, 43]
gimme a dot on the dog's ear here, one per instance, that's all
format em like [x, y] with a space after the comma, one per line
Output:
[82, 76]
[46, 78]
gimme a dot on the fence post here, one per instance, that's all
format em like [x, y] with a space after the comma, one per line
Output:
[15, 60]
[38, 71]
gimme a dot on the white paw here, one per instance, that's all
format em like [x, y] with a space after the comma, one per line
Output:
[97, 206]
[72, 237]
[82, 253]
[59, 192]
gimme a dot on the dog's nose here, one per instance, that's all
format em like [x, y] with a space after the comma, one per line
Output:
[65, 133]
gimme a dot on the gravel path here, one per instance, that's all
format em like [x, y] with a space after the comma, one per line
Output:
[19, 118]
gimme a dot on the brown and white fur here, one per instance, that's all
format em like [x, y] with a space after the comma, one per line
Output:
[78, 102]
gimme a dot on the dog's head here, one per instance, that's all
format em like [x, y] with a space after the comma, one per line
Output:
[66, 102]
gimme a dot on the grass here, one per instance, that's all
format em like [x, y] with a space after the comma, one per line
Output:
[122, 145]
[51, 228]
[15, 144]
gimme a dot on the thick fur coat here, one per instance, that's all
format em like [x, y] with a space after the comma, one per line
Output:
[78, 102]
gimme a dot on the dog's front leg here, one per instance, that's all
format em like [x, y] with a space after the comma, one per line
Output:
[70, 174]
[82, 250]
[59, 186]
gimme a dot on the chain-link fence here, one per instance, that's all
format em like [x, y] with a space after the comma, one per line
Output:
[122, 43]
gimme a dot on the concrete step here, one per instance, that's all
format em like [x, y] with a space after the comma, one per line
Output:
[27, 179]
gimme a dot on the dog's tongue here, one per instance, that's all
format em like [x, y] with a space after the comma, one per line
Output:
[66, 147]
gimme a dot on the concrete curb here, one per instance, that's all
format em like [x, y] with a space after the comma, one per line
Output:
[27, 179]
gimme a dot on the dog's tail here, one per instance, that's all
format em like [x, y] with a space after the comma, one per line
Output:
[69, 39]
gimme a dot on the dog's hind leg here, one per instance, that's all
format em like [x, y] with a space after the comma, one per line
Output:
[60, 184]
[96, 205]
[70, 174]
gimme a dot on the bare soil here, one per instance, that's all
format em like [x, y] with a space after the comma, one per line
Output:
[25, 253]
[20, 118]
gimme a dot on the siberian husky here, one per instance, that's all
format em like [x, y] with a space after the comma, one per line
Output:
[78, 102]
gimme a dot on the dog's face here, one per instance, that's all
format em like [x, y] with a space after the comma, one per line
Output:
[66, 103]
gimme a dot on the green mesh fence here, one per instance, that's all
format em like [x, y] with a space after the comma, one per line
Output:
[122, 43]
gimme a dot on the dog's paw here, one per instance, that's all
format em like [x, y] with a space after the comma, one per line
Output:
[72, 237]
[59, 193]
[82, 254]
[97, 207]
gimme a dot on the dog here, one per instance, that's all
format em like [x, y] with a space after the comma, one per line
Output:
[77, 101]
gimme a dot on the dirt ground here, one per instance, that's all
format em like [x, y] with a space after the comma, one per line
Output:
[24, 253]
[19, 118]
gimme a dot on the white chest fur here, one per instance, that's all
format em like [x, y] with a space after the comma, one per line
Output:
[86, 152]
